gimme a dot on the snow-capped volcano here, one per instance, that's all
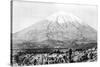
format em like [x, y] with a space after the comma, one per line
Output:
[61, 26]
[62, 17]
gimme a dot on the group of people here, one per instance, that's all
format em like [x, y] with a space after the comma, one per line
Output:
[70, 56]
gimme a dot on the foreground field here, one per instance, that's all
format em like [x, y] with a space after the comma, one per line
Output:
[42, 57]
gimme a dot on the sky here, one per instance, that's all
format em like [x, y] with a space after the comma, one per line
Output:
[27, 13]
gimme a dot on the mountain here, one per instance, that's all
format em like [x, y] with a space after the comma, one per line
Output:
[58, 30]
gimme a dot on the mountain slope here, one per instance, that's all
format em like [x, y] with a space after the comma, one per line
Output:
[57, 27]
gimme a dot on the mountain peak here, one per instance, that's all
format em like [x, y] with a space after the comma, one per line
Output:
[62, 17]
